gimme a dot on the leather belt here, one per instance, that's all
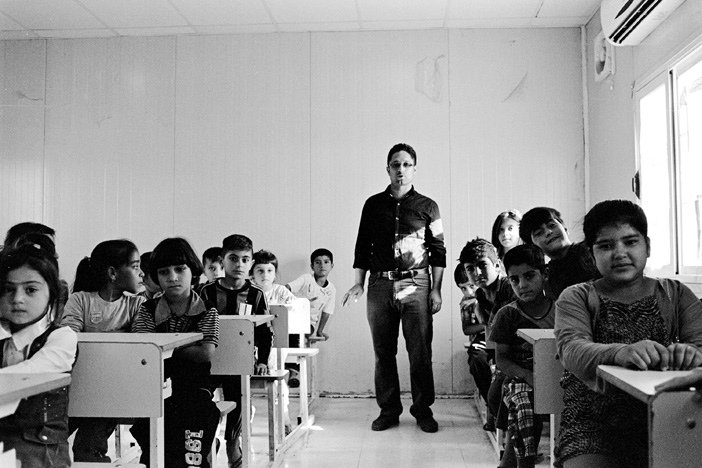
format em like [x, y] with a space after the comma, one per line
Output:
[402, 274]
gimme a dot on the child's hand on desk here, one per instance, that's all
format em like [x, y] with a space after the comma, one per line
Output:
[261, 369]
[684, 356]
[642, 355]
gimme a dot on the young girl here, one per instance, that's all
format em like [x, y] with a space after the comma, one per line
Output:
[99, 304]
[29, 294]
[505, 231]
[190, 415]
[624, 319]
[264, 271]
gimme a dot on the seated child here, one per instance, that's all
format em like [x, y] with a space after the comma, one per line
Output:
[151, 288]
[212, 262]
[624, 318]
[320, 292]
[190, 415]
[264, 272]
[234, 294]
[483, 267]
[505, 231]
[569, 263]
[99, 304]
[478, 356]
[527, 273]
[33, 342]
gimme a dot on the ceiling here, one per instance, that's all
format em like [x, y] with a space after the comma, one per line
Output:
[27, 19]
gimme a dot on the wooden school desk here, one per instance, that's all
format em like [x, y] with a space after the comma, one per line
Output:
[235, 356]
[16, 387]
[120, 375]
[674, 418]
[548, 394]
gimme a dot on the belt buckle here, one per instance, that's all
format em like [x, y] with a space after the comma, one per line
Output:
[391, 275]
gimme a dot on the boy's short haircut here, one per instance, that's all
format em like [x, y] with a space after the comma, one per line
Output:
[236, 242]
[476, 249]
[534, 219]
[525, 254]
[320, 253]
[459, 275]
[402, 147]
[144, 262]
[175, 251]
[213, 254]
[263, 257]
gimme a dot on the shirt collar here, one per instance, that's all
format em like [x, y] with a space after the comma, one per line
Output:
[409, 194]
[23, 338]
[163, 311]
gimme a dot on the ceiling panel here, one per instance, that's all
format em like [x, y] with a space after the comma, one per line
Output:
[320, 27]
[236, 29]
[222, 12]
[402, 10]
[498, 9]
[565, 9]
[314, 11]
[168, 31]
[54, 14]
[135, 13]
[74, 33]
[6, 24]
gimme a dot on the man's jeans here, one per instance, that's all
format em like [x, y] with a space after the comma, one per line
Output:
[406, 301]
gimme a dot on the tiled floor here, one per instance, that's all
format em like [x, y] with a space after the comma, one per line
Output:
[342, 438]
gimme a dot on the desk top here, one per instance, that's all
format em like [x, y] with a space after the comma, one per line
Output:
[639, 384]
[255, 319]
[14, 387]
[531, 335]
[165, 341]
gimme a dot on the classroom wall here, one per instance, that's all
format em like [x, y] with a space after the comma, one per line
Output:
[611, 102]
[283, 137]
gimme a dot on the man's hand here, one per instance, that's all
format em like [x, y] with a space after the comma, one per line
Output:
[261, 369]
[435, 301]
[353, 294]
[694, 379]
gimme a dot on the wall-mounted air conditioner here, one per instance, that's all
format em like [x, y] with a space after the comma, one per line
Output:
[628, 22]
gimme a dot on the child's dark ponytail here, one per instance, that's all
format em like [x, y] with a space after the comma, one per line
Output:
[92, 273]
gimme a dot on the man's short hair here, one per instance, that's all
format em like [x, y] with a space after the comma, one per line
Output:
[213, 254]
[20, 229]
[459, 275]
[525, 254]
[534, 219]
[402, 147]
[321, 252]
[476, 249]
[236, 242]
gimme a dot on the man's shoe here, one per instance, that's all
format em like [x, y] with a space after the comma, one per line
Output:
[428, 424]
[385, 422]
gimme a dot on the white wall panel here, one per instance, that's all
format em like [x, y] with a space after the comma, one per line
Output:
[109, 142]
[22, 70]
[242, 143]
[363, 102]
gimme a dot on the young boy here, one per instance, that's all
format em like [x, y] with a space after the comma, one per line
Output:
[234, 294]
[482, 265]
[212, 261]
[151, 288]
[527, 273]
[478, 355]
[317, 288]
[570, 263]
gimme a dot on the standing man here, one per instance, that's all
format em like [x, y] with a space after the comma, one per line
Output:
[400, 238]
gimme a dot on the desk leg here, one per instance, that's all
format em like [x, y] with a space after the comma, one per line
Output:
[552, 436]
[245, 421]
[304, 402]
[156, 446]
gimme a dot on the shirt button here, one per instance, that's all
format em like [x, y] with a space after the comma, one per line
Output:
[43, 437]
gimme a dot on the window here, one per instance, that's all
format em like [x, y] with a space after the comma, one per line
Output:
[669, 147]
